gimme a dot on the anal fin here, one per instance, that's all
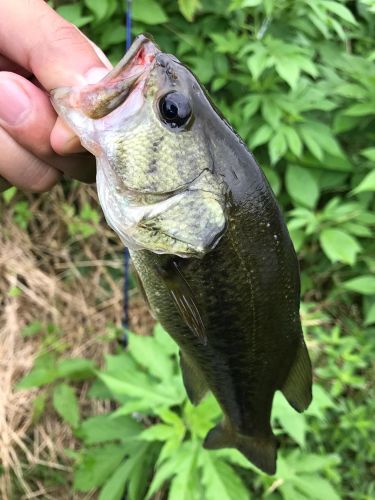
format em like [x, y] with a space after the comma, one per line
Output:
[260, 450]
[297, 388]
[194, 382]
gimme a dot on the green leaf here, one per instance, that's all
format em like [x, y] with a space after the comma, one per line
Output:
[8, 194]
[76, 368]
[148, 353]
[158, 432]
[288, 69]
[367, 184]
[370, 316]
[293, 140]
[96, 464]
[65, 403]
[185, 484]
[339, 246]
[188, 8]
[97, 7]
[114, 488]
[171, 466]
[302, 186]
[340, 10]
[277, 146]
[220, 480]
[360, 109]
[148, 12]
[133, 472]
[103, 428]
[38, 377]
[369, 153]
[292, 422]
[363, 284]
[262, 135]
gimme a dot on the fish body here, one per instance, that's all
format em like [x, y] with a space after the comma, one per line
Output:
[207, 238]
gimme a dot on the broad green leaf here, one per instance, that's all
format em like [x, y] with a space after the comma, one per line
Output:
[369, 153]
[133, 472]
[292, 422]
[114, 488]
[339, 246]
[37, 377]
[259, 61]
[262, 135]
[185, 484]
[293, 140]
[76, 368]
[363, 284]
[96, 465]
[164, 340]
[315, 487]
[158, 432]
[103, 428]
[360, 109]
[148, 353]
[367, 184]
[188, 8]
[302, 186]
[340, 10]
[273, 179]
[277, 146]
[288, 69]
[8, 194]
[220, 480]
[65, 403]
[148, 12]
[97, 7]
[370, 316]
[171, 466]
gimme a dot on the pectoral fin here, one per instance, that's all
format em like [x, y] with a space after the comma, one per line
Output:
[194, 382]
[297, 387]
[183, 298]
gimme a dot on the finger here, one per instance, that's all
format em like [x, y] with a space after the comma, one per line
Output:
[27, 116]
[8, 65]
[56, 52]
[22, 169]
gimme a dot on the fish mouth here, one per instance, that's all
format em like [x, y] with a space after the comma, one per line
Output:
[98, 100]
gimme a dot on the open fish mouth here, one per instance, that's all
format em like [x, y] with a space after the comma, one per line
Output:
[122, 87]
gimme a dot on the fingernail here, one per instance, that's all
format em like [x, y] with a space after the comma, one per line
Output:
[15, 104]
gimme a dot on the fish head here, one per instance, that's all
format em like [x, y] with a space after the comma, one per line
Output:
[145, 122]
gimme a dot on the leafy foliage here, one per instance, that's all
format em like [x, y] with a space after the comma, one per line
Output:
[296, 79]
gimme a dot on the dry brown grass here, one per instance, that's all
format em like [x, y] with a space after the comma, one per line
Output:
[68, 281]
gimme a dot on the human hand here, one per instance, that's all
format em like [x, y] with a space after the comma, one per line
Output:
[38, 52]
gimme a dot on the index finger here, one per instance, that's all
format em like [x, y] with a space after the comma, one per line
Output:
[34, 36]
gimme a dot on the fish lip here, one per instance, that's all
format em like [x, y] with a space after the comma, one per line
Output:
[112, 91]
[97, 100]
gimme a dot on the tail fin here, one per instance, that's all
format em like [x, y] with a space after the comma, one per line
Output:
[260, 450]
[297, 387]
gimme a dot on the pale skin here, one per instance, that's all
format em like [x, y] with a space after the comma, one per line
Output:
[40, 51]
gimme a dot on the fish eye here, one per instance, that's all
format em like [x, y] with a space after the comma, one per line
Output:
[175, 109]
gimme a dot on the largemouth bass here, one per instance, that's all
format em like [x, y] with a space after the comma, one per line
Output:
[213, 254]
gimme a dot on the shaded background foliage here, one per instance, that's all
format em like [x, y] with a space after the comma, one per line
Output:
[296, 79]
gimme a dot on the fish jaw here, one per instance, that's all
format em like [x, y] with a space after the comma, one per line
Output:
[93, 108]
